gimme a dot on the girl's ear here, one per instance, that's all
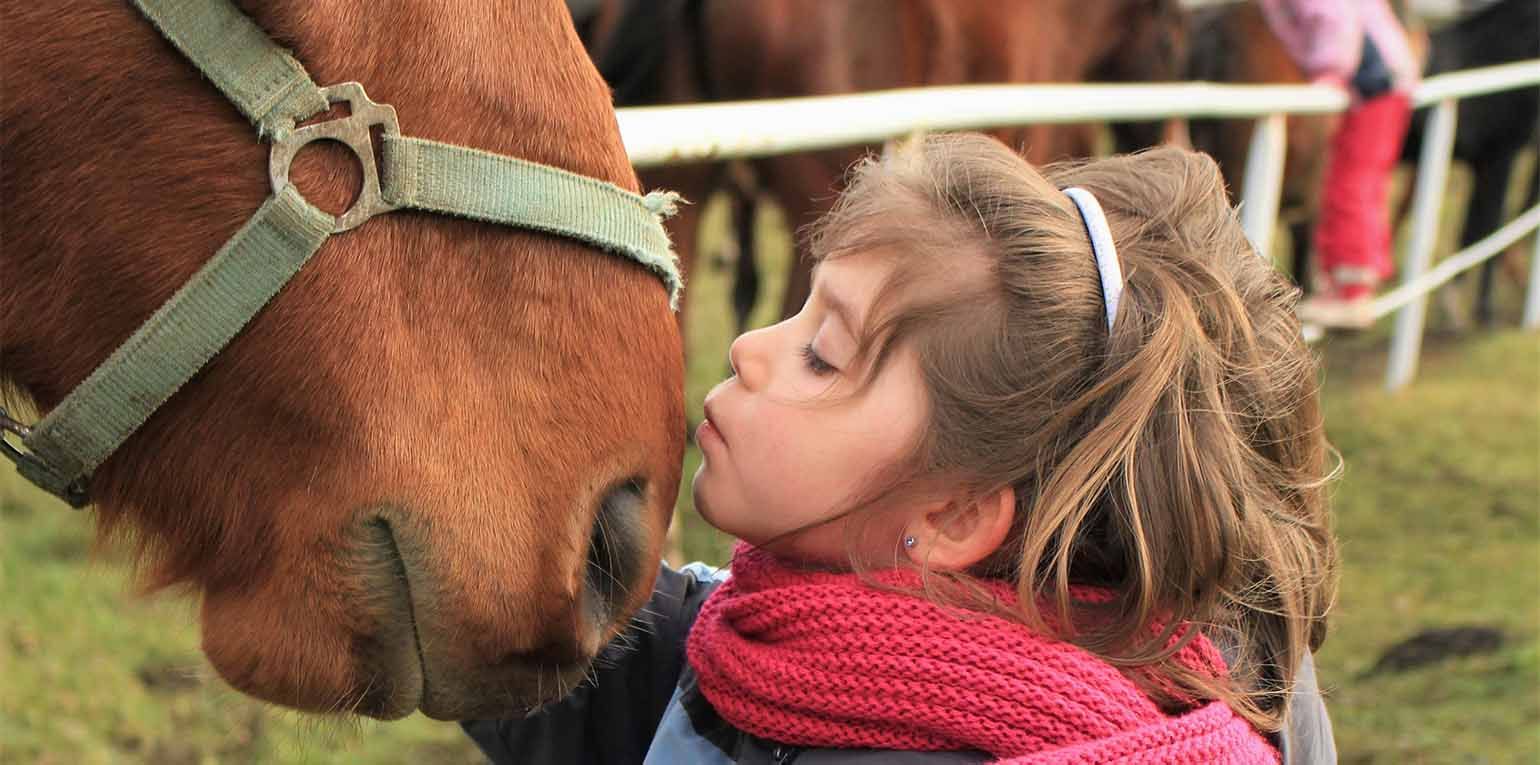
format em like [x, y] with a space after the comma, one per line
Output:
[960, 534]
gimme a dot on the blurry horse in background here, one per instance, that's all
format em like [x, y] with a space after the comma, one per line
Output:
[746, 49]
[652, 52]
[404, 485]
[1490, 130]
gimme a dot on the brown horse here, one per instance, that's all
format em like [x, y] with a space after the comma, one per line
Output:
[1490, 130]
[1233, 43]
[435, 471]
[745, 49]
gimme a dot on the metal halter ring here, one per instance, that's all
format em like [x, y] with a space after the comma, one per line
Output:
[8, 425]
[75, 494]
[352, 130]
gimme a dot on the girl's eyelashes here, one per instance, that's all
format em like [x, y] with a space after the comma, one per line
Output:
[815, 363]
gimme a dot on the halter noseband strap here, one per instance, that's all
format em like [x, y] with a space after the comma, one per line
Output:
[273, 90]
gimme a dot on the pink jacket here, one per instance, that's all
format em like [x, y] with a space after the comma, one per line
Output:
[1325, 37]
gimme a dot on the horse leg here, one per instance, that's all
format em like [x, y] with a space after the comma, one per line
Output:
[804, 185]
[745, 197]
[1484, 215]
[1300, 233]
[799, 278]
[1404, 206]
[1133, 136]
[1177, 133]
[1513, 260]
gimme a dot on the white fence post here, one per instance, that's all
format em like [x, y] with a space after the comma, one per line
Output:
[1264, 182]
[1432, 172]
[1532, 300]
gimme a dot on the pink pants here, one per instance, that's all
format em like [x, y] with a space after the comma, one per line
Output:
[1353, 236]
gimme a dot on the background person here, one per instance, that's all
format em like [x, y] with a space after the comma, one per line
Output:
[1358, 45]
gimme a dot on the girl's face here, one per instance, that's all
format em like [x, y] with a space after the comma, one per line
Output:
[786, 442]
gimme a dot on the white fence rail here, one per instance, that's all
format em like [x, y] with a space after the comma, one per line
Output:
[659, 135]
[671, 134]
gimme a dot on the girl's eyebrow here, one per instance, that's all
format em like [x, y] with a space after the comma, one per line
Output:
[840, 309]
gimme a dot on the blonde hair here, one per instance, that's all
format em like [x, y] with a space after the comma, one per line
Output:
[1178, 461]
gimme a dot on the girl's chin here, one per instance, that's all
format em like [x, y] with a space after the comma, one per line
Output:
[707, 510]
[724, 522]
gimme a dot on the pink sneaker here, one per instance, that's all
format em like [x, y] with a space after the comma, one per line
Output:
[1347, 306]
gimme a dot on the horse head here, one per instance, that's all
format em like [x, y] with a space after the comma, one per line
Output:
[435, 471]
[1146, 41]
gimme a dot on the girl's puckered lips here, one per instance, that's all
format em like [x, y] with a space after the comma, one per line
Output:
[708, 428]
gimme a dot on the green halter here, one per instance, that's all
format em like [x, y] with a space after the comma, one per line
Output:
[271, 88]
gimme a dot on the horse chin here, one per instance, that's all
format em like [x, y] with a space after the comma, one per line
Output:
[350, 648]
[303, 658]
[400, 633]
[504, 692]
[425, 653]
[377, 672]
[388, 653]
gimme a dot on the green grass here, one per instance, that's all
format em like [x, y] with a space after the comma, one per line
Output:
[1438, 514]
[91, 674]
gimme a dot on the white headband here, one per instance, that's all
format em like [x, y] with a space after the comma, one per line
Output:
[1101, 246]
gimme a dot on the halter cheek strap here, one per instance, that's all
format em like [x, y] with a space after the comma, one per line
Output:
[273, 90]
[1101, 246]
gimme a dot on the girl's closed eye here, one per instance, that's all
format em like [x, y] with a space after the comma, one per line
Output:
[815, 363]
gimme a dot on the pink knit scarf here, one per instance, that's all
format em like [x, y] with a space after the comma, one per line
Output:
[823, 660]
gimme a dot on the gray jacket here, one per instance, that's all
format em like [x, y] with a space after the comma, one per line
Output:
[644, 707]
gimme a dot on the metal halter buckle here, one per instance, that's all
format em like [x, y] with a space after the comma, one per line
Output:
[352, 130]
[76, 494]
[8, 425]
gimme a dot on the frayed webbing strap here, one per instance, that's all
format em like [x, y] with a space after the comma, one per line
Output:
[428, 175]
[182, 335]
[260, 78]
[1102, 247]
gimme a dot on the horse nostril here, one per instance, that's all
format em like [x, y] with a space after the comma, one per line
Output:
[616, 546]
[615, 549]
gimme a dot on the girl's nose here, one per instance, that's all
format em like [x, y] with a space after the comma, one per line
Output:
[748, 358]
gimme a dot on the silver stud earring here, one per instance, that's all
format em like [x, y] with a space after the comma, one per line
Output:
[910, 542]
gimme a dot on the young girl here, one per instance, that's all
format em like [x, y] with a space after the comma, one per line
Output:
[1037, 474]
[1362, 47]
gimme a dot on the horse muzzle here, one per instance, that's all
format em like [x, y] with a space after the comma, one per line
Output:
[490, 651]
